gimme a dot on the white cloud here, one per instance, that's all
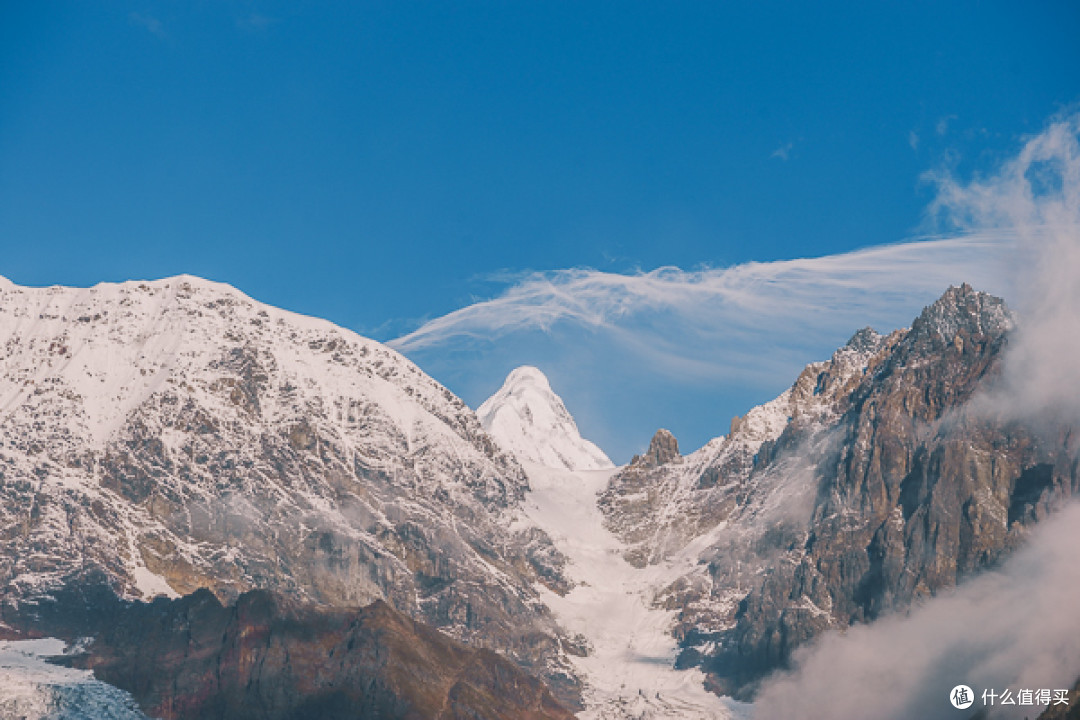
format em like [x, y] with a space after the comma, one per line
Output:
[1035, 198]
[942, 126]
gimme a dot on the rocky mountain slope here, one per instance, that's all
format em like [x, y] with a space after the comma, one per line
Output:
[167, 436]
[528, 420]
[869, 484]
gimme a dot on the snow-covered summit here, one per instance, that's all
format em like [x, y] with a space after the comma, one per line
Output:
[528, 419]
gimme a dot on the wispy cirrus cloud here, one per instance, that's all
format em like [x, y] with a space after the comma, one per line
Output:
[728, 322]
[689, 349]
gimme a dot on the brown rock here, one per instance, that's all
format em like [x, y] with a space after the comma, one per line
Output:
[268, 659]
[663, 449]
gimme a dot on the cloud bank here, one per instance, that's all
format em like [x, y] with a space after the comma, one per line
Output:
[1036, 198]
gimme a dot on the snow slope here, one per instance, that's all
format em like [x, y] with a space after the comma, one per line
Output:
[629, 667]
[529, 420]
[611, 610]
[33, 689]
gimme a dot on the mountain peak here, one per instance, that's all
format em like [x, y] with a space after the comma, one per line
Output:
[963, 308]
[663, 448]
[866, 340]
[528, 419]
[527, 375]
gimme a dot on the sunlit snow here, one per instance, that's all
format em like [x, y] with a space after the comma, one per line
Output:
[629, 671]
[527, 418]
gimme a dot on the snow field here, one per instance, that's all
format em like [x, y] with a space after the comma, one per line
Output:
[629, 671]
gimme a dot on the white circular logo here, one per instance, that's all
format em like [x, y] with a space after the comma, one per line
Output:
[961, 697]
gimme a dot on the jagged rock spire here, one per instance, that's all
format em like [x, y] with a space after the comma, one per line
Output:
[663, 449]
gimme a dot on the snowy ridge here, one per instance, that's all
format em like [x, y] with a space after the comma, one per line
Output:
[529, 420]
[33, 689]
[660, 510]
[81, 364]
[961, 308]
[112, 346]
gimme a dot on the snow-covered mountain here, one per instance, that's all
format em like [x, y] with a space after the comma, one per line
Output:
[165, 436]
[529, 420]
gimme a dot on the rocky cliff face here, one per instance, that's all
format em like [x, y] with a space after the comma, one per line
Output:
[267, 658]
[177, 435]
[662, 500]
[869, 484]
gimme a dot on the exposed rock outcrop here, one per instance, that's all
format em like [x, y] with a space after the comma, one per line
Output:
[663, 449]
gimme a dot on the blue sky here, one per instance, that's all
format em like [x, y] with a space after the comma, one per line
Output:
[383, 164]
